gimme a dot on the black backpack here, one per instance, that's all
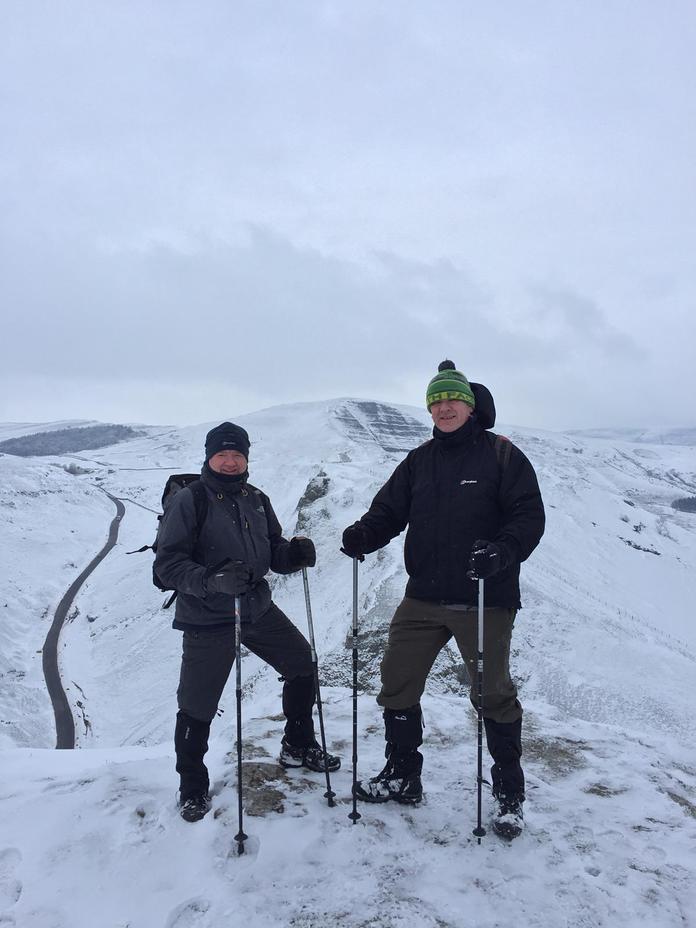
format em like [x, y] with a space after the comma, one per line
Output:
[174, 484]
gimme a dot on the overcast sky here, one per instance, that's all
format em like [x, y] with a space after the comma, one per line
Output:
[207, 208]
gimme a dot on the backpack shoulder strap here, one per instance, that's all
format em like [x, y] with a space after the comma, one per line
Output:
[200, 500]
[503, 451]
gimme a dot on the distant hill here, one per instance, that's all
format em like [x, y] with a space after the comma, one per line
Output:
[685, 436]
[67, 441]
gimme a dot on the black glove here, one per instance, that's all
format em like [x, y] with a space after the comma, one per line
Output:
[302, 552]
[355, 541]
[232, 579]
[486, 559]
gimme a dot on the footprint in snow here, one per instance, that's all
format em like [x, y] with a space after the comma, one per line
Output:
[188, 914]
[10, 886]
[146, 819]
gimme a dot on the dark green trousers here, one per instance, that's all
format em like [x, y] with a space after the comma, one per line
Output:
[420, 630]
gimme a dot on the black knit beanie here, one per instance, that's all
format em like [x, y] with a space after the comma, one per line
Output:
[226, 437]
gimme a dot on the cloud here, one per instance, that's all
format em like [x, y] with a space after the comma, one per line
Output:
[240, 310]
[328, 198]
[266, 321]
[573, 319]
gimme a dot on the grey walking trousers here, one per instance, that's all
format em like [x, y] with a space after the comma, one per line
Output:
[208, 656]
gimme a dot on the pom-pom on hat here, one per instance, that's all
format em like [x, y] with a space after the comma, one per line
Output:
[449, 384]
[226, 437]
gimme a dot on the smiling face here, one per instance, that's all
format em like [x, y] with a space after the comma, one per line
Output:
[230, 463]
[450, 415]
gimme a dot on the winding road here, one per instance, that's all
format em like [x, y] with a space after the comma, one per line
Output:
[65, 724]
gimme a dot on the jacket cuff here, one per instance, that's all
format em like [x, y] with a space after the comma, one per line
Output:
[509, 552]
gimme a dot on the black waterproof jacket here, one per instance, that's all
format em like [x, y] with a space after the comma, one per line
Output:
[450, 492]
[241, 525]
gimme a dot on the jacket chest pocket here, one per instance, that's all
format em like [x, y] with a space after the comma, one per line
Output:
[476, 496]
[254, 527]
[221, 535]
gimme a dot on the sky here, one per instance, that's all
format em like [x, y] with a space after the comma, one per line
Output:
[211, 208]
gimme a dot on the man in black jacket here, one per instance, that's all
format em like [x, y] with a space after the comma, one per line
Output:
[241, 529]
[473, 510]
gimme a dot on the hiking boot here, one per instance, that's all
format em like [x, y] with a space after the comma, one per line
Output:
[508, 818]
[193, 808]
[310, 757]
[389, 784]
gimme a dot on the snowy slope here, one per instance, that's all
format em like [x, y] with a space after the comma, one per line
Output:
[645, 436]
[52, 524]
[604, 650]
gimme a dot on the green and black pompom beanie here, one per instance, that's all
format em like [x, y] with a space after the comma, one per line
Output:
[449, 384]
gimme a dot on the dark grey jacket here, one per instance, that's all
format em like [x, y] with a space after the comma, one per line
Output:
[241, 525]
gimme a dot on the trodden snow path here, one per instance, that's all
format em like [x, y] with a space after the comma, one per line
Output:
[95, 838]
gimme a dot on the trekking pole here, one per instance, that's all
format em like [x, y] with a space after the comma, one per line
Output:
[329, 794]
[240, 837]
[480, 831]
[355, 815]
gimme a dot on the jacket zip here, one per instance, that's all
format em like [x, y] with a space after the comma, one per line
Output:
[251, 536]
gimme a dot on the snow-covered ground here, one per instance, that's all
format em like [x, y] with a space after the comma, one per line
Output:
[604, 651]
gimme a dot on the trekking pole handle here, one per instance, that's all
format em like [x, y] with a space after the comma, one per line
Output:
[480, 616]
[238, 638]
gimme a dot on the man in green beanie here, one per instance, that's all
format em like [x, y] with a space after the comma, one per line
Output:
[473, 509]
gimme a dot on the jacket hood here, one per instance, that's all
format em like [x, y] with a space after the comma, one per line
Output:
[485, 407]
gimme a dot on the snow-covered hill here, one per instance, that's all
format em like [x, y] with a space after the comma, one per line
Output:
[19, 429]
[645, 436]
[604, 651]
